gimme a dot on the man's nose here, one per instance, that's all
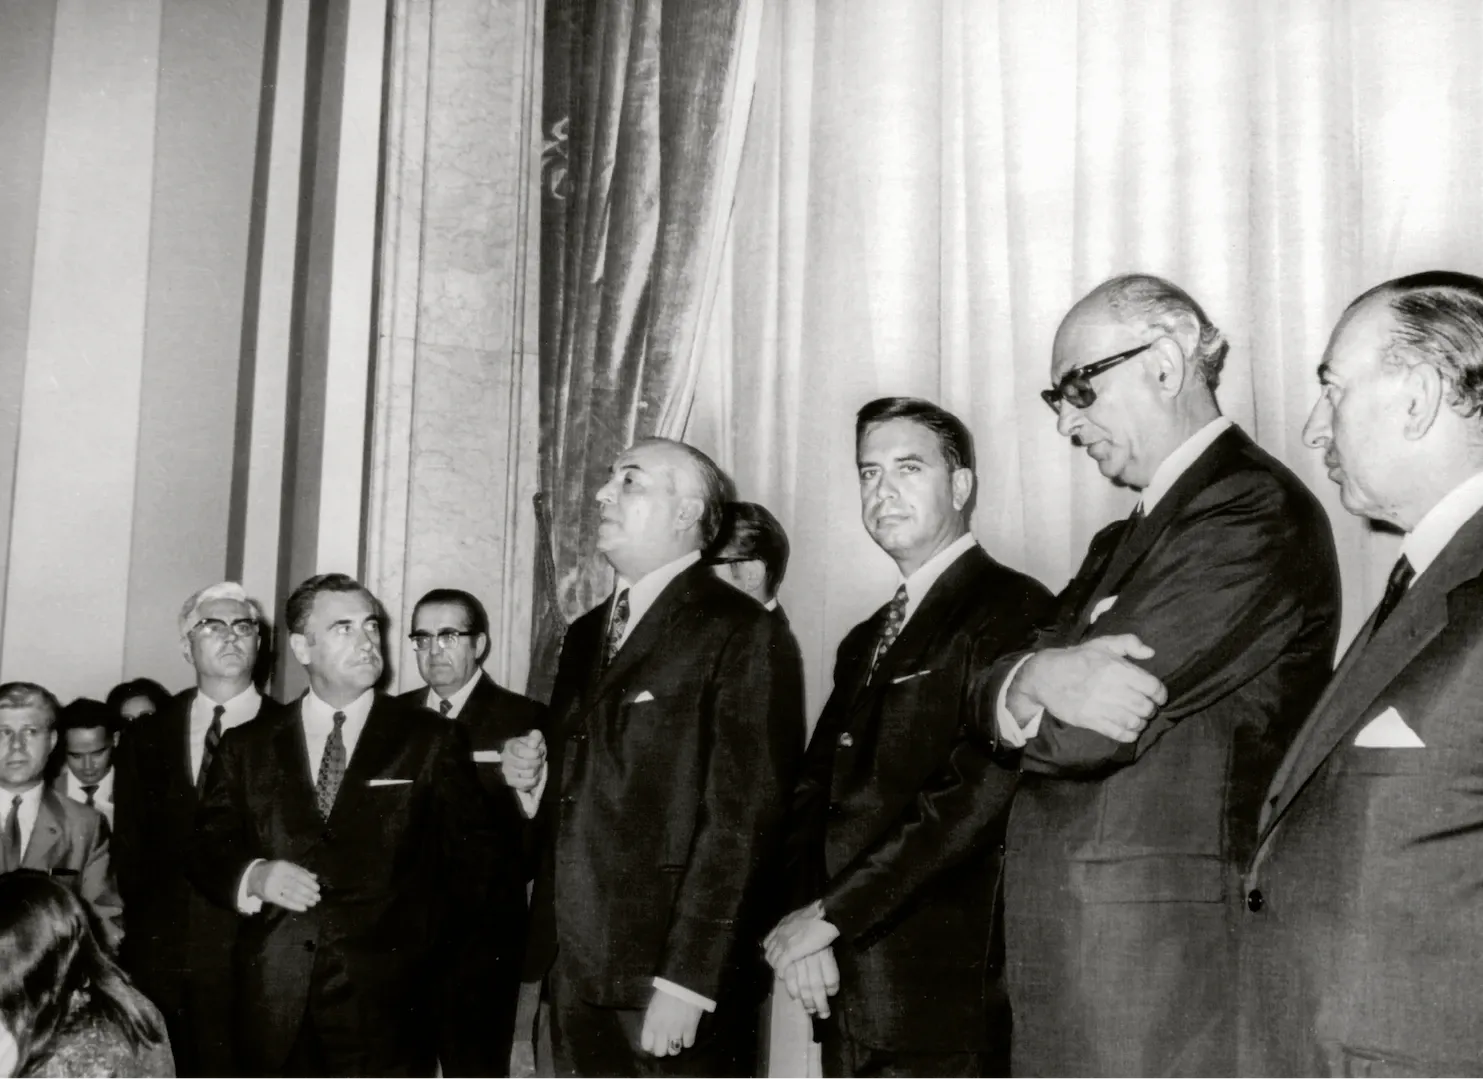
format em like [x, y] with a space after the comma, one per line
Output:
[1316, 430]
[1068, 419]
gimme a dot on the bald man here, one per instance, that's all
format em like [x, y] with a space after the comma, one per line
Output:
[677, 725]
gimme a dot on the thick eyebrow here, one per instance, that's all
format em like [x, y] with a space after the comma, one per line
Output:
[913, 457]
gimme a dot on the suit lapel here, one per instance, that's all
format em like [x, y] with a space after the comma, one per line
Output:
[182, 739]
[645, 636]
[296, 788]
[1372, 664]
[46, 834]
[375, 749]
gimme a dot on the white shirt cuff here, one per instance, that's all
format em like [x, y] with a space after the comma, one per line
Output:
[530, 801]
[689, 997]
[248, 905]
[1010, 729]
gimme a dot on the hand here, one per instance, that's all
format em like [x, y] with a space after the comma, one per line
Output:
[523, 759]
[669, 1024]
[812, 981]
[801, 934]
[1093, 685]
[283, 883]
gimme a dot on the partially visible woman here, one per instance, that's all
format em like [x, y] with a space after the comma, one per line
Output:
[137, 697]
[66, 1009]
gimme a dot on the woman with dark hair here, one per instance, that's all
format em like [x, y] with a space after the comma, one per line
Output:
[137, 697]
[66, 1009]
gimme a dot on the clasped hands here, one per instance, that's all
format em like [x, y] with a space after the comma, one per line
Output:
[799, 949]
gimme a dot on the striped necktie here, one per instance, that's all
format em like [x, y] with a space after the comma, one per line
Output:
[208, 748]
[331, 769]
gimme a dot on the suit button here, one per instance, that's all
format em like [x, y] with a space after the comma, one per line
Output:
[1254, 900]
[834, 808]
[308, 946]
[846, 740]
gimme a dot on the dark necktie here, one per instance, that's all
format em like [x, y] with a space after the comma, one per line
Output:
[616, 626]
[331, 769]
[10, 849]
[891, 628]
[208, 748]
[90, 790]
[1400, 580]
[445, 706]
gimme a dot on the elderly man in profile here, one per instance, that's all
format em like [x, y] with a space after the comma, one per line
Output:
[1363, 926]
[676, 729]
[1182, 658]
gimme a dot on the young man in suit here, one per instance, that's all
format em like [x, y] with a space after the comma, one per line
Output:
[1362, 925]
[39, 829]
[88, 735]
[919, 989]
[751, 553]
[1183, 657]
[450, 635]
[179, 946]
[677, 723]
[350, 831]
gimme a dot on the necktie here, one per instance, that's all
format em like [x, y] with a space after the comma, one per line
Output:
[208, 748]
[331, 769]
[445, 706]
[1400, 579]
[90, 790]
[10, 849]
[891, 628]
[616, 626]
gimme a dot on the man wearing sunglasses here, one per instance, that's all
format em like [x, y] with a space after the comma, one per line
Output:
[450, 638]
[1153, 711]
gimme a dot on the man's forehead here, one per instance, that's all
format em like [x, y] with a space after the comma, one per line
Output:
[333, 606]
[80, 740]
[657, 460]
[25, 716]
[225, 608]
[432, 616]
[899, 438]
[1088, 333]
[1359, 338]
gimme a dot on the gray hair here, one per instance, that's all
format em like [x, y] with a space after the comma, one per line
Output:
[1156, 302]
[1439, 320]
[190, 611]
[716, 488]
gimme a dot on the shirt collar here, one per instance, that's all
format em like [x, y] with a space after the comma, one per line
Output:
[920, 583]
[771, 605]
[105, 787]
[1184, 455]
[1440, 524]
[459, 699]
[245, 705]
[643, 592]
[30, 800]
[321, 712]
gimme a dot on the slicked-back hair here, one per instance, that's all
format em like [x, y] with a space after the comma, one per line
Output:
[301, 600]
[953, 437]
[1439, 320]
[190, 611]
[84, 714]
[1156, 302]
[29, 695]
[716, 488]
[749, 531]
[473, 610]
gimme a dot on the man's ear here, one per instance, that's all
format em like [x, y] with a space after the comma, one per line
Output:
[1425, 397]
[298, 644]
[962, 487]
[481, 647]
[690, 511]
[753, 574]
[1173, 360]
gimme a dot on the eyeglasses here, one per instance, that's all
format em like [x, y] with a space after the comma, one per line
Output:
[1076, 385]
[446, 639]
[219, 629]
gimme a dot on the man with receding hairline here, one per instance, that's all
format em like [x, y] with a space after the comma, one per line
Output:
[676, 726]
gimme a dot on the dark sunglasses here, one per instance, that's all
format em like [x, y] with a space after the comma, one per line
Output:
[1076, 385]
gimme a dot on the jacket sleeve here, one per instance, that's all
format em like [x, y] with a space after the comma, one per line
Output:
[129, 809]
[97, 886]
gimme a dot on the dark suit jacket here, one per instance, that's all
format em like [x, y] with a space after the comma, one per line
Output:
[1361, 956]
[401, 868]
[173, 929]
[911, 887]
[71, 840]
[669, 774]
[1124, 859]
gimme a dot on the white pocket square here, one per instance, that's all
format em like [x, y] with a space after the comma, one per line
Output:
[1101, 608]
[1388, 731]
[913, 675]
[487, 755]
[642, 697]
[384, 782]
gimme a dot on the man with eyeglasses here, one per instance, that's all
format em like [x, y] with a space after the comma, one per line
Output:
[450, 637]
[1183, 656]
[179, 944]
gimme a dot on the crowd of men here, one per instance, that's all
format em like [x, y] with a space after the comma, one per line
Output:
[1139, 828]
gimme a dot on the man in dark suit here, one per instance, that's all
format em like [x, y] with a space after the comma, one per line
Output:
[450, 634]
[351, 831]
[919, 990]
[84, 773]
[1215, 610]
[1362, 926]
[677, 726]
[39, 829]
[179, 945]
[751, 553]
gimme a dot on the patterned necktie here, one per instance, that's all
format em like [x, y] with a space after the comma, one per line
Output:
[445, 706]
[331, 769]
[90, 790]
[891, 628]
[208, 748]
[10, 849]
[1400, 580]
[616, 626]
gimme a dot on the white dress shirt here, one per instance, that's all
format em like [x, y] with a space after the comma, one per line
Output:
[920, 583]
[29, 808]
[1164, 477]
[458, 700]
[102, 798]
[318, 720]
[1440, 524]
[239, 710]
[643, 592]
